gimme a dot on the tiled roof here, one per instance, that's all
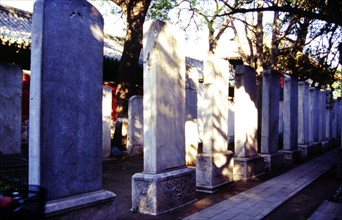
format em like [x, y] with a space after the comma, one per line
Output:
[15, 28]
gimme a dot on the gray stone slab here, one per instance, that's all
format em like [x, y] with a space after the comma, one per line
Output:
[339, 163]
[246, 113]
[10, 108]
[303, 113]
[191, 119]
[106, 121]
[322, 115]
[270, 112]
[290, 137]
[313, 114]
[308, 150]
[66, 107]
[155, 194]
[164, 97]
[214, 167]
[135, 135]
[248, 168]
[213, 171]
[165, 183]
[65, 131]
[98, 204]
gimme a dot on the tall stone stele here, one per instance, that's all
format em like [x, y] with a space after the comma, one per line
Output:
[307, 148]
[270, 120]
[106, 121]
[214, 166]
[135, 140]
[322, 120]
[165, 183]
[290, 138]
[11, 84]
[66, 110]
[247, 163]
[314, 125]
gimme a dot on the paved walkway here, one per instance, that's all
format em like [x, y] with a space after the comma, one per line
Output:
[257, 202]
[328, 210]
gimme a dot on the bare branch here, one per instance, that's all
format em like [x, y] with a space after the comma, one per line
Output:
[297, 11]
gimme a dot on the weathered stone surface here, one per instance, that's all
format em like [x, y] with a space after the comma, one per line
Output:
[335, 119]
[98, 204]
[313, 114]
[309, 150]
[270, 112]
[339, 163]
[164, 97]
[213, 171]
[215, 105]
[191, 120]
[215, 130]
[247, 163]
[231, 121]
[292, 156]
[290, 138]
[157, 189]
[270, 120]
[158, 193]
[246, 113]
[339, 118]
[10, 108]
[106, 121]
[322, 116]
[135, 138]
[248, 168]
[303, 113]
[66, 104]
[272, 161]
[281, 122]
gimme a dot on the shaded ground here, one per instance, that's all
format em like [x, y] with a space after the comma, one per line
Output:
[304, 203]
[117, 175]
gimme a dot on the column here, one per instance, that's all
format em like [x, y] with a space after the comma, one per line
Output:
[165, 182]
[290, 139]
[66, 110]
[214, 166]
[10, 108]
[247, 163]
[270, 120]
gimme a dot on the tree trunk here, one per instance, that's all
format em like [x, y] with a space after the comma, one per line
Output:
[259, 42]
[275, 43]
[135, 12]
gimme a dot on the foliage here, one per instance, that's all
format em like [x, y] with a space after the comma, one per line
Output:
[160, 9]
[305, 34]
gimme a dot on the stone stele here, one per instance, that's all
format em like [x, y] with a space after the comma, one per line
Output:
[66, 110]
[165, 183]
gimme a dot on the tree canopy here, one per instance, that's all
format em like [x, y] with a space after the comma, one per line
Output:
[302, 37]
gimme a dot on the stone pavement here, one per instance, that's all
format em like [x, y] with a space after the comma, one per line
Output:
[328, 210]
[257, 202]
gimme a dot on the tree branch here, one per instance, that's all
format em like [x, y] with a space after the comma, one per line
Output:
[297, 11]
